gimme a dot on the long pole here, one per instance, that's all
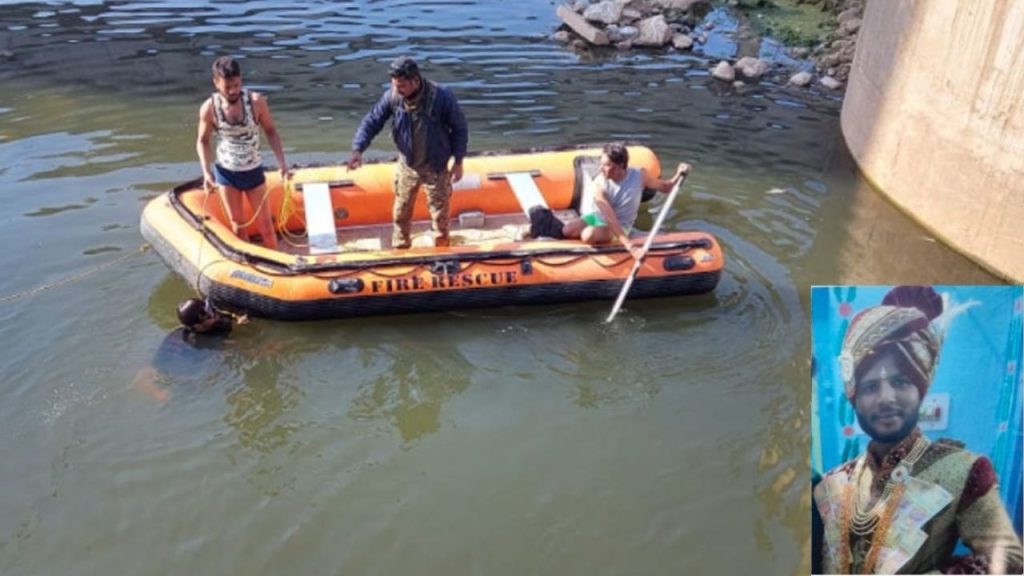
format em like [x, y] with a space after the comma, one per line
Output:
[643, 251]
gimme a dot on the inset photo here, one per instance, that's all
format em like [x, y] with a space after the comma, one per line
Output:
[916, 430]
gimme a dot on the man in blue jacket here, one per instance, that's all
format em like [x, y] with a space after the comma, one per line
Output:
[429, 129]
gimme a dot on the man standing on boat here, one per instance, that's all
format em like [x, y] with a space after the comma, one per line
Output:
[237, 115]
[902, 506]
[429, 130]
[615, 199]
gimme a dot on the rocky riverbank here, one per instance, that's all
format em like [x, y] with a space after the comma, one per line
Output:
[818, 48]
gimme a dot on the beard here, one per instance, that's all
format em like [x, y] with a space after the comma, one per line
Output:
[909, 422]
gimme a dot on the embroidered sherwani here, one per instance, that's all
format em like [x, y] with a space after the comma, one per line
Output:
[950, 494]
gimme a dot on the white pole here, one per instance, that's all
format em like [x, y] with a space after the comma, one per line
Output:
[643, 251]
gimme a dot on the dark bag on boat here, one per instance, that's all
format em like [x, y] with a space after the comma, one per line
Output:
[543, 222]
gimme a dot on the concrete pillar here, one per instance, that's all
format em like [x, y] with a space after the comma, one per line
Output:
[934, 116]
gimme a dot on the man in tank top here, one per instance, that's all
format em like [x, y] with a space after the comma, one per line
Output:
[615, 201]
[237, 115]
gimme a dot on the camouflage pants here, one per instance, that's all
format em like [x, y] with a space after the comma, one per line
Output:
[439, 191]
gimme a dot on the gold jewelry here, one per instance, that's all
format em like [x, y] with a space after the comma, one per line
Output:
[876, 521]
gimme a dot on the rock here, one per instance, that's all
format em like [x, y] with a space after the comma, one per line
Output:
[843, 72]
[624, 45]
[800, 52]
[630, 15]
[562, 36]
[739, 84]
[582, 27]
[682, 41]
[606, 12]
[752, 67]
[801, 78]
[830, 72]
[654, 31]
[709, 26]
[850, 27]
[619, 33]
[829, 60]
[848, 14]
[830, 83]
[846, 54]
[681, 5]
[842, 43]
[724, 72]
[6, 55]
[702, 39]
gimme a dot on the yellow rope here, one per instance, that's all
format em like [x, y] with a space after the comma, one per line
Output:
[289, 209]
[74, 278]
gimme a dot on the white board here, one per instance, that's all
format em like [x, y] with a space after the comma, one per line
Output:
[323, 236]
[467, 182]
[526, 191]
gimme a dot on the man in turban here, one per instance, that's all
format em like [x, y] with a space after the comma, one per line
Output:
[902, 506]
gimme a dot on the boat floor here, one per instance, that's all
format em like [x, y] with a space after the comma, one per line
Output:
[496, 228]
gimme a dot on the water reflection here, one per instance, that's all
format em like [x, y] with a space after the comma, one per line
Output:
[414, 380]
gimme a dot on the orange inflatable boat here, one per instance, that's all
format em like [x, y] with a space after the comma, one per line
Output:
[351, 270]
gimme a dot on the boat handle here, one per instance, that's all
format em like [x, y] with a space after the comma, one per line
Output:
[330, 184]
[504, 175]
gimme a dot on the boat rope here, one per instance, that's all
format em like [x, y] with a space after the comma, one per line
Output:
[288, 210]
[202, 229]
[75, 277]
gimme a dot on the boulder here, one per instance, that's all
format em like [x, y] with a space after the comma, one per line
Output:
[605, 12]
[851, 27]
[630, 15]
[724, 72]
[830, 83]
[619, 33]
[562, 36]
[654, 31]
[849, 14]
[801, 78]
[752, 67]
[800, 52]
[681, 5]
[682, 41]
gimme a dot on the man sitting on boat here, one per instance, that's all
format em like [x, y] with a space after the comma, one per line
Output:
[616, 193]
[429, 130]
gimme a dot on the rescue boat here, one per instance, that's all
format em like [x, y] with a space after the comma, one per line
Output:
[352, 270]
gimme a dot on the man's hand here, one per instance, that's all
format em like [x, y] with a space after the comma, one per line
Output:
[355, 160]
[456, 173]
[681, 171]
[286, 174]
[209, 182]
[636, 251]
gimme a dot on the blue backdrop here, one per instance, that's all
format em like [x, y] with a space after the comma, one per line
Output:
[976, 394]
